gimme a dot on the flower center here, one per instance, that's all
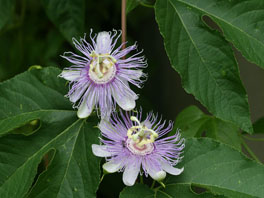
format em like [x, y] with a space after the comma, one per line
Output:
[134, 148]
[140, 138]
[102, 68]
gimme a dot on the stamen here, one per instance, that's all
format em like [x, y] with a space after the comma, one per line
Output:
[140, 134]
[102, 67]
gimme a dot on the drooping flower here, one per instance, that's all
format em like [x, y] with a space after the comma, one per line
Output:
[100, 77]
[134, 147]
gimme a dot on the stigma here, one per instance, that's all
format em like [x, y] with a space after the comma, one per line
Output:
[141, 134]
[102, 67]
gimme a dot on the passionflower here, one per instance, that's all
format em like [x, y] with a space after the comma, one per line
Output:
[100, 77]
[134, 146]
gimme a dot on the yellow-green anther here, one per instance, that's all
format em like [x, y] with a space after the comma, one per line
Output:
[140, 134]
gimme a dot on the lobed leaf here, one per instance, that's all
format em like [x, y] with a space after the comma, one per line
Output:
[205, 62]
[73, 171]
[242, 23]
[220, 169]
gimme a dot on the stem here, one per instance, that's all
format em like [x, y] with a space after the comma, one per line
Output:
[146, 5]
[141, 179]
[153, 184]
[253, 139]
[102, 178]
[123, 22]
[250, 151]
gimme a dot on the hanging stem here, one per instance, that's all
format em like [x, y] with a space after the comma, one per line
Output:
[141, 179]
[250, 151]
[123, 22]
[153, 184]
[253, 139]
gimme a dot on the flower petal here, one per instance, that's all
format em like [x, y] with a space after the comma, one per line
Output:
[103, 43]
[111, 167]
[84, 110]
[170, 169]
[157, 175]
[124, 101]
[130, 174]
[70, 75]
[100, 150]
[76, 95]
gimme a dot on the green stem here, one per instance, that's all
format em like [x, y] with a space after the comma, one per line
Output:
[102, 178]
[141, 179]
[153, 184]
[253, 139]
[250, 151]
[146, 5]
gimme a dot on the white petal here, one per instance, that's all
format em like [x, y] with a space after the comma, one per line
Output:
[103, 43]
[157, 175]
[170, 169]
[111, 167]
[77, 93]
[125, 102]
[136, 74]
[84, 110]
[70, 75]
[100, 150]
[130, 175]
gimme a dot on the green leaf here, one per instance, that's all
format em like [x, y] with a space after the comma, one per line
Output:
[223, 131]
[38, 94]
[193, 122]
[74, 171]
[171, 191]
[241, 22]
[68, 16]
[205, 62]
[190, 121]
[32, 95]
[131, 5]
[6, 11]
[259, 126]
[220, 169]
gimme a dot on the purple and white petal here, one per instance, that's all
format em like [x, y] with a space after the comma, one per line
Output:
[100, 150]
[170, 169]
[111, 167]
[130, 174]
[70, 75]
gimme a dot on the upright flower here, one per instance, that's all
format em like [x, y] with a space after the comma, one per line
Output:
[135, 147]
[100, 78]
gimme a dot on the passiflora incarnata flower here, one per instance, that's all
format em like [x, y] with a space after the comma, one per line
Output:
[134, 147]
[100, 77]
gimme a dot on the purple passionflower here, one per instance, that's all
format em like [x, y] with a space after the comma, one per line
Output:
[134, 147]
[100, 78]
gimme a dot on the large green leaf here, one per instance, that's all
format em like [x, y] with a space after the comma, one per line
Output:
[190, 121]
[205, 62]
[242, 23]
[220, 169]
[194, 123]
[214, 166]
[68, 16]
[73, 171]
[6, 11]
[131, 5]
[31, 95]
[171, 191]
